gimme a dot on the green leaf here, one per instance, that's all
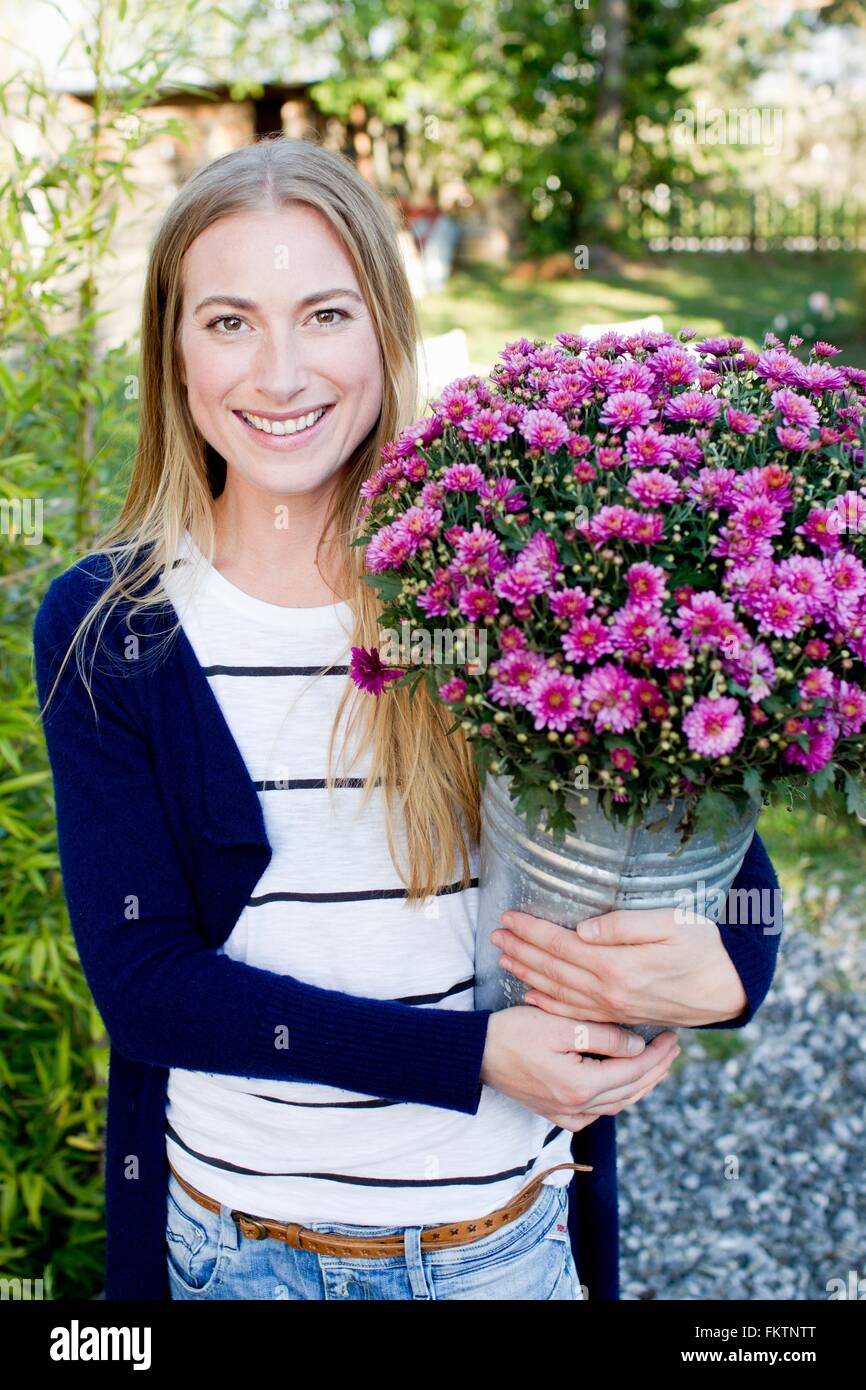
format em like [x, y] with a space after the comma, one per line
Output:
[855, 795]
[717, 814]
[388, 585]
[753, 783]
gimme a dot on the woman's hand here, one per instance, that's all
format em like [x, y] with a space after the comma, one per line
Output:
[538, 1061]
[662, 966]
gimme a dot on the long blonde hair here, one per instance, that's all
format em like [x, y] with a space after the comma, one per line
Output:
[176, 475]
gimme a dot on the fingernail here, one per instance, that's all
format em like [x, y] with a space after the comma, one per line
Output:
[635, 1044]
[588, 930]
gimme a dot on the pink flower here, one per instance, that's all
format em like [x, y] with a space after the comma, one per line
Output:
[462, 477]
[793, 439]
[623, 758]
[741, 421]
[512, 675]
[388, 548]
[569, 603]
[652, 487]
[437, 598]
[608, 456]
[648, 448]
[758, 516]
[553, 698]
[714, 727]
[420, 522]
[712, 487]
[818, 683]
[782, 612]
[850, 706]
[633, 627]
[693, 405]
[702, 619]
[368, 672]
[627, 408]
[822, 529]
[675, 366]
[477, 602]
[487, 424]
[543, 430]
[608, 698]
[586, 640]
[821, 734]
[453, 690]
[646, 583]
[806, 576]
[481, 548]
[794, 409]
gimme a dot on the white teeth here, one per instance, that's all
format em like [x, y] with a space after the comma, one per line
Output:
[283, 426]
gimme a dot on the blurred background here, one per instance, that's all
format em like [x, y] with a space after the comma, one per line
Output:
[551, 165]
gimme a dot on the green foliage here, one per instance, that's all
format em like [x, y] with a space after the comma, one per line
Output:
[68, 425]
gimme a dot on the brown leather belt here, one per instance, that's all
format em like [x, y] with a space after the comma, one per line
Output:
[373, 1247]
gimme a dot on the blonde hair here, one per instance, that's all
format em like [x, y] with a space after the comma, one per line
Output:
[176, 475]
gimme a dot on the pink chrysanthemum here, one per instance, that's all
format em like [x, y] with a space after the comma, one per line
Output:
[696, 406]
[462, 477]
[553, 698]
[821, 734]
[486, 425]
[477, 602]
[608, 698]
[543, 430]
[742, 421]
[389, 547]
[782, 612]
[646, 583]
[713, 728]
[624, 409]
[675, 366]
[652, 487]
[794, 409]
[368, 672]
[818, 683]
[648, 448]
[453, 690]
[850, 706]
[586, 640]
[437, 598]
[569, 603]
[513, 674]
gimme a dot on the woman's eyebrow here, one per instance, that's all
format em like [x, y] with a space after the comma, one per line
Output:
[239, 303]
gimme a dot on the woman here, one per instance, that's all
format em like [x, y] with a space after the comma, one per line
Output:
[283, 961]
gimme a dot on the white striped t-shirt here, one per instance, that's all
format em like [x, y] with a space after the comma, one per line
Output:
[331, 910]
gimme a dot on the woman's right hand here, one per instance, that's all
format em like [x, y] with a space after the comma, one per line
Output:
[536, 1058]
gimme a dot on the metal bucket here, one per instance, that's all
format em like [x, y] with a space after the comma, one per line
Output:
[598, 867]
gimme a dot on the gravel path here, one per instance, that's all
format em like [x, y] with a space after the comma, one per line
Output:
[743, 1175]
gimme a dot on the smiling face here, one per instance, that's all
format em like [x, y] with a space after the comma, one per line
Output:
[279, 354]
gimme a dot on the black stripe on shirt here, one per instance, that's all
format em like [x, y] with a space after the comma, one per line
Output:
[276, 670]
[355, 1181]
[350, 896]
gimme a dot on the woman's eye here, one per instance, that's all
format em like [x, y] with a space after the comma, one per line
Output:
[342, 312]
[225, 318]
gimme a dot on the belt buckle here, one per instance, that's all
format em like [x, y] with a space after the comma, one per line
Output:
[258, 1234]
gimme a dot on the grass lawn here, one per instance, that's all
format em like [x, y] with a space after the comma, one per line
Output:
[711, 293]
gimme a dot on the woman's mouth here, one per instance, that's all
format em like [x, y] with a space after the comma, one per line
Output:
[283, 434]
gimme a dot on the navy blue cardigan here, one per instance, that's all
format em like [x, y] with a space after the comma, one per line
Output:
[161, 841]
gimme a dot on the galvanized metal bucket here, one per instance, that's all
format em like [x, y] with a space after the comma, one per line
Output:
[596, 868]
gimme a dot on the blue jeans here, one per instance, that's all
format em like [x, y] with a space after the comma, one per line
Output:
[530, 1258]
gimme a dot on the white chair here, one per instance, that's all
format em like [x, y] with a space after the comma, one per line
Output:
[651, 324]
[441, 360]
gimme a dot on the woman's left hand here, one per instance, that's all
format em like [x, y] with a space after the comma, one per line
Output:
[657, 966]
